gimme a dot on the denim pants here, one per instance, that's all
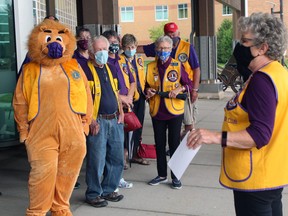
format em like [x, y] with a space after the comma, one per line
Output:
[160, 132]
[258, 203]
[104, 162]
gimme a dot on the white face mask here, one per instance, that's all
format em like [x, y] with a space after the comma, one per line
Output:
[101, 57]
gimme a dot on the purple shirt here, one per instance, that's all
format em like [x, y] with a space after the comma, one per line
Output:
[260, 102]
[121, 82]
[163, 113]
[149, 51]
[83, 63]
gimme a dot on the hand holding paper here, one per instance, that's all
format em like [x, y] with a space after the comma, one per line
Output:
[182, 158]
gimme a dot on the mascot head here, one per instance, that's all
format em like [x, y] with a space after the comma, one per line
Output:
[51, 43]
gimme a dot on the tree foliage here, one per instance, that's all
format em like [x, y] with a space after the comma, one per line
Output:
[224, 41]
[156, 31]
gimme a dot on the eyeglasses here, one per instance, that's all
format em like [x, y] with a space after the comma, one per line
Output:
[163, 48]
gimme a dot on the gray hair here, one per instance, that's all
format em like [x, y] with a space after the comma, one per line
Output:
[267, 29]
[128, 39]
[97, 38]
[164, 38]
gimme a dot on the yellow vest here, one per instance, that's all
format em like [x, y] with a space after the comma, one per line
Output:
[77, 91]
[182, 54]
[265, 168]
[171, 81]
[140, 68]
[95, 87]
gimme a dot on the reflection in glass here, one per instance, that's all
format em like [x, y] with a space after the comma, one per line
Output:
[7, 71]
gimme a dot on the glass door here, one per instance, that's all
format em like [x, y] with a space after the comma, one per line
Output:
[7, 72]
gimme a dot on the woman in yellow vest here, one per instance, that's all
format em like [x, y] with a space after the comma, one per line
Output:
[254, 133]
[166, 75]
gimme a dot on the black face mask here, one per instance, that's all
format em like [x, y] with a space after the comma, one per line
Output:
[242, 55]
[113, 48]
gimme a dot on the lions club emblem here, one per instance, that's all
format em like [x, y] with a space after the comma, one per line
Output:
[75, 75]
[172, 76]
[182, 57]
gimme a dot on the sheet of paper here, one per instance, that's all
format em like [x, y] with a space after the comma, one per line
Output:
[182, 158]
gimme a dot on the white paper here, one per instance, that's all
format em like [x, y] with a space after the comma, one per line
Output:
[182, 158]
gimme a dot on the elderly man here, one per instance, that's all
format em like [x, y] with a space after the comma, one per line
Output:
[105, 141]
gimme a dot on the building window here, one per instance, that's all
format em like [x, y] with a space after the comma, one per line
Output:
[127, 14]
[226, 10]
[182, 11]
[39, 11]
[161, 12]
[66, 12]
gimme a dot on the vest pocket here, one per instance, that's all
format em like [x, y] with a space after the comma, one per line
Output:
[237, 164]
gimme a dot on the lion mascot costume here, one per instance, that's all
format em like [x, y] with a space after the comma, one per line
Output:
[53, 109]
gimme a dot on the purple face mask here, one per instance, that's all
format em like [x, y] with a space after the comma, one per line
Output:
[55, 50]
[83, 44]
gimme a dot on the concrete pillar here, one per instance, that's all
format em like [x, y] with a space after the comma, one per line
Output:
[206, 47]
[50, 7]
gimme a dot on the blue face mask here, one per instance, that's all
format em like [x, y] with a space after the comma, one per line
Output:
[130, 53]
[101, 57]
[163, 55]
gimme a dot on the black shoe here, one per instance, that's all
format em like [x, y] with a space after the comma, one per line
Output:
[158, 180]
[113, 197]
[176, 184]
[98, 202]
[77, 185]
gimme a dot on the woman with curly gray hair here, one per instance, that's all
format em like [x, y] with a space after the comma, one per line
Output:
[254, 132]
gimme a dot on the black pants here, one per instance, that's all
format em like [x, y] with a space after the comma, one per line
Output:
[160, 132]
[139, 110]
[260, 203]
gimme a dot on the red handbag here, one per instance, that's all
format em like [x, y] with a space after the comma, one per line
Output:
[131, 122]
[147, 151]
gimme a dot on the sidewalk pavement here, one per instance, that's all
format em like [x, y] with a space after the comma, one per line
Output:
[201, 194]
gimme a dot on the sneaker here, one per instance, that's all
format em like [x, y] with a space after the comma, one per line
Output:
[176, 184]
[97, 202]
[113, 197]
[125, 184]
[158, 180]
[77, 185]
[116, 190]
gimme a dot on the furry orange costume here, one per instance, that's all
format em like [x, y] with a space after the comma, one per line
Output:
[53, 108]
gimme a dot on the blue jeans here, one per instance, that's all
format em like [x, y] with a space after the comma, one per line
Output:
[104, 162]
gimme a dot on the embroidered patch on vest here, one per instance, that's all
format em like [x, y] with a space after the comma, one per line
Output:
[124, 68]
[76, 75]
[172, 76]
[232, 103]
[140, 62]
[182, 57]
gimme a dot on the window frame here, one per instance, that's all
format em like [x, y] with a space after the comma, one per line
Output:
[185, 7]
[225, 11]
[125, 7]
[162, 11]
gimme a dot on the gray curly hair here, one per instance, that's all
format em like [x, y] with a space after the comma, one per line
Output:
[266, 29]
